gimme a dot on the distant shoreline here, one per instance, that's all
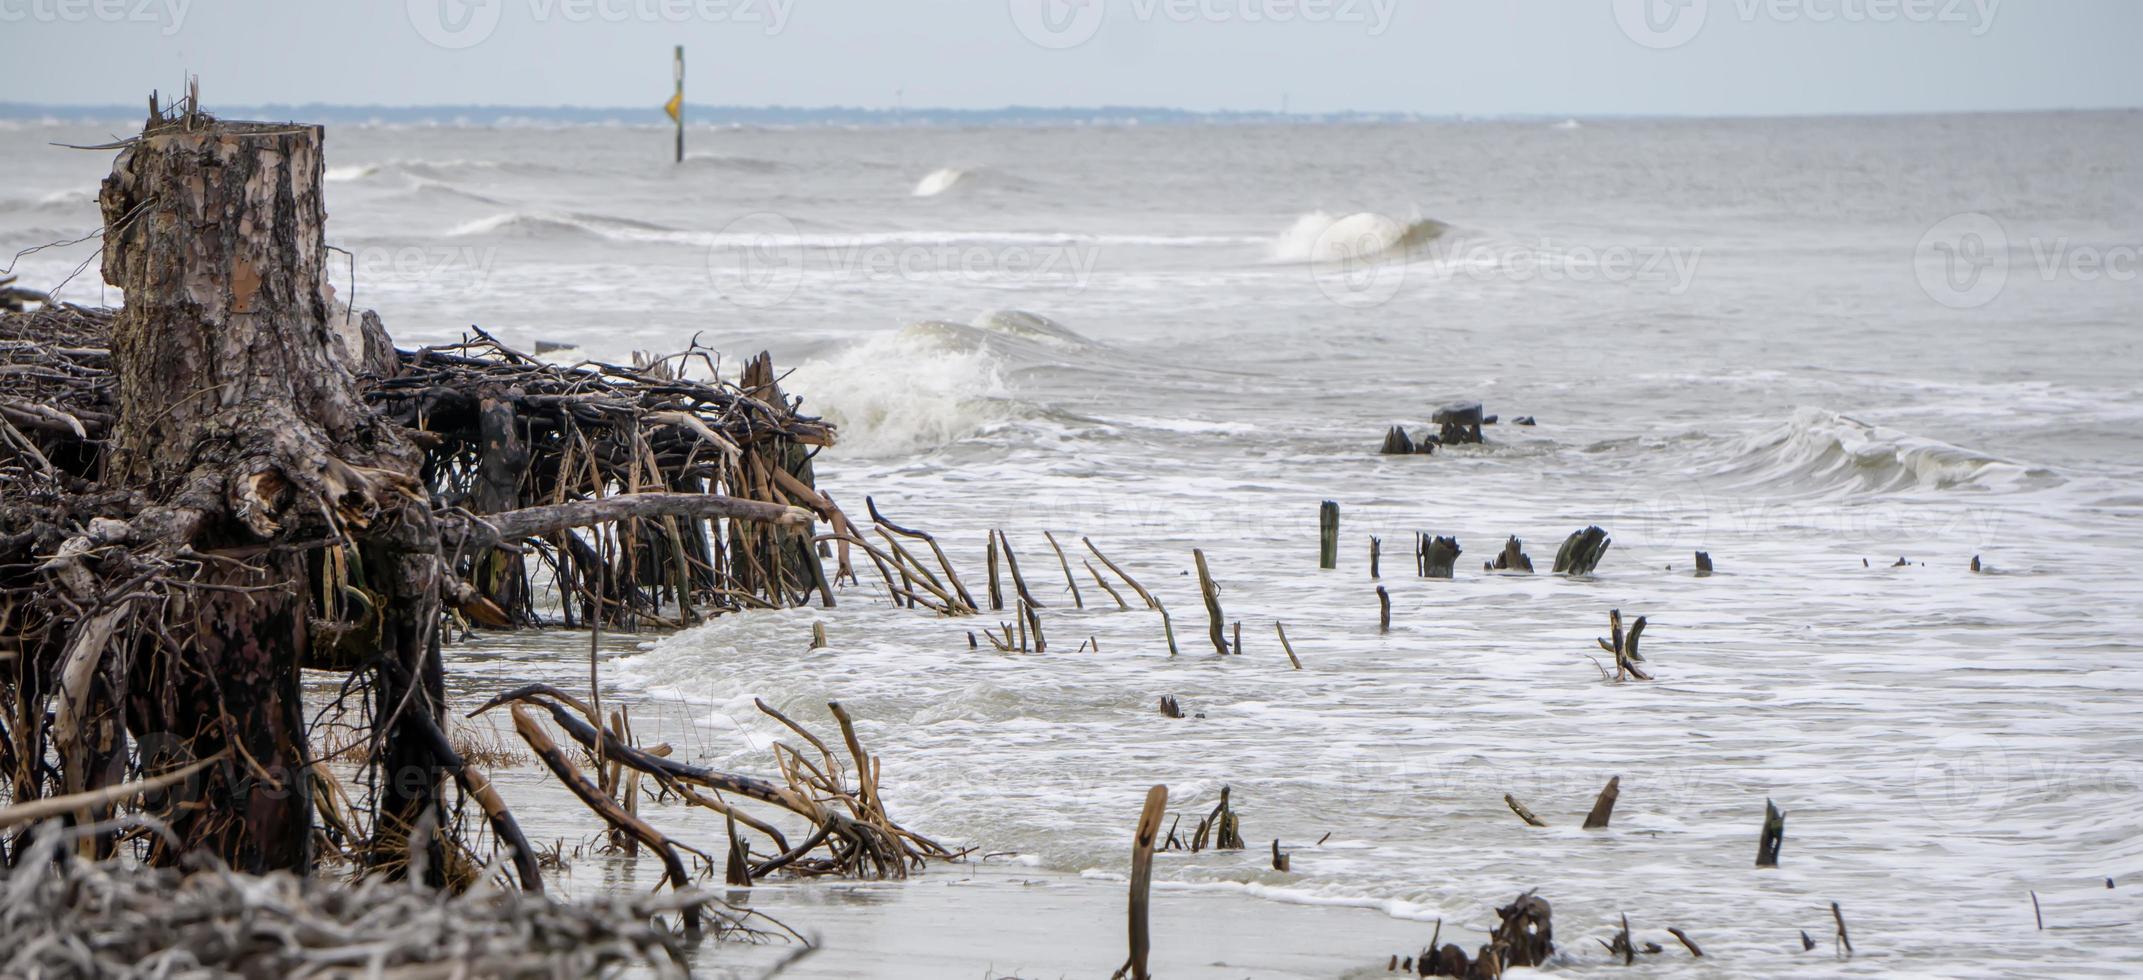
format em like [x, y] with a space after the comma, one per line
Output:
[699, 116]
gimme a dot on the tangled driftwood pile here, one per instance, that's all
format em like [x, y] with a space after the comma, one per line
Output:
[231, 480]
[106, 920]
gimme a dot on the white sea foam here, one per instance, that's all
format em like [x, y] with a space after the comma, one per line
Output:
[940, 181]
[905, 391]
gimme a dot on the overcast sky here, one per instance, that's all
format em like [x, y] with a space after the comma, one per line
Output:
[1432, 56]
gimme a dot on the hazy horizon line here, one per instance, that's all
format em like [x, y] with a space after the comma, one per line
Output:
[697, 114]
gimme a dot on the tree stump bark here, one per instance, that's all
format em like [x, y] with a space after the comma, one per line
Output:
[241, 423]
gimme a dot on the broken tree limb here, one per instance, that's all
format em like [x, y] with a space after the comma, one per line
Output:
[1078, 601]
[1210, 591]
[532, 732]
[1523, 813]
[1155, 604]
[1281, 629]
[1142, 841]
[31, 811]
[537, 521]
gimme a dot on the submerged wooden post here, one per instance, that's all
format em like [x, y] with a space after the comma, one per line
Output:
[1149, 830]
[1603, 809]
[1774, 835]
[997, 595]
[1383, 610]
[1211, 592]
[1376, 545]
[1328, 535]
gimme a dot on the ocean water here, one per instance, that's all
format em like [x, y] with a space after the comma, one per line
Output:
[1810, 347]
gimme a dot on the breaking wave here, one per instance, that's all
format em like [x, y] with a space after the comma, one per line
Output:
[1322, 237]
[940, 181]
[933, 383]
[1822, 451]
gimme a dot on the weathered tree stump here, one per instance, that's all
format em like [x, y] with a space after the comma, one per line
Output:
[1513, 558]
[1459, 422]
[240, 418]
[1704, 564]
[1581, 551]
[1526, 936]
[1396, 443]
[1438, 557]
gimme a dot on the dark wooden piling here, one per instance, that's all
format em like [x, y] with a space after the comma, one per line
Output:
[1383, 610]
[1703, 564]
[997, 595]
[1328, 535]
[1774, 836]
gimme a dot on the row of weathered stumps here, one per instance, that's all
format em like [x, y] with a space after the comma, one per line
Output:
[1458, 423]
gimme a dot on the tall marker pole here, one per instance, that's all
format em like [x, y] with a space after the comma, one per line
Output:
[677, 102]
